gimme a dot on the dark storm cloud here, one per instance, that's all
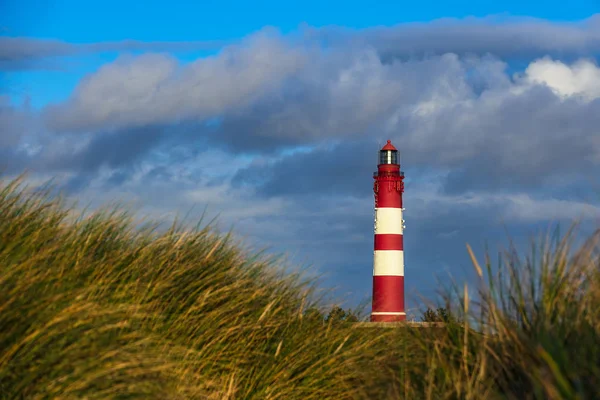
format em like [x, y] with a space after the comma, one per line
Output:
[13, 161]
[15, 121]
[505, 37]
[24, 52]
[123, 148]
[337, 170]
[520, 144]
[84, 156]
[524, 142]
[341, 95]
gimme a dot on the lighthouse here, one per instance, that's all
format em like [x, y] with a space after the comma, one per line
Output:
[388, 263]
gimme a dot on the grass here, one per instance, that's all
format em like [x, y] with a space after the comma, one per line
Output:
[94, 307]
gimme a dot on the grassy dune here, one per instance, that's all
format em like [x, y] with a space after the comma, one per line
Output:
[95, 308]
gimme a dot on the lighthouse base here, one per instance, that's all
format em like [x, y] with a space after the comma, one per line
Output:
[388, 298]
[388, 317]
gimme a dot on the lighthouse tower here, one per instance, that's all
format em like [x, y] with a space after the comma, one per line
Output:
[388, 265]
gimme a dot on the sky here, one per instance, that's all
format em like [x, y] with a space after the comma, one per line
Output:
[270, 115]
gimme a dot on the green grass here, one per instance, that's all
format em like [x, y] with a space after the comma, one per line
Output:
[93, 307]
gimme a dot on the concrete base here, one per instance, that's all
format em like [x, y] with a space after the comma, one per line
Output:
[388, 318]
[399, 324]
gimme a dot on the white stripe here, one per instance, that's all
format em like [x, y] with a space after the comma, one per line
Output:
[388, 220]
[388, 313]
[388, 262]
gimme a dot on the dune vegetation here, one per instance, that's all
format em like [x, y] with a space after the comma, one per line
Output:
[95, 306]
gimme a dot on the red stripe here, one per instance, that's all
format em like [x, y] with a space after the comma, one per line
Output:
[388, 293]
[389, 199]
[389, 241]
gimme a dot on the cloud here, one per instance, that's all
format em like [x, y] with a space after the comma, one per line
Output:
[17, 53]
[502, 36]
[524, 208]
[500, 141]
[104, 150]
[466, 116]
[279, 134]
[152, 88]
[580, 79]
[339, 94]
[19, 127]
[496, 134]
[338, 170]
[12, 123]
[507, 37]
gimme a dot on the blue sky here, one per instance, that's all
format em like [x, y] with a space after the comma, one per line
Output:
[494, 106]
[78, 21]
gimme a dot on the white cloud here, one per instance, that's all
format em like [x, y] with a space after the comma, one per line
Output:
[581, 78]
[154, 88]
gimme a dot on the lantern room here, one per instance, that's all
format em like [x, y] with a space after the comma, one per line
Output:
[388, 154]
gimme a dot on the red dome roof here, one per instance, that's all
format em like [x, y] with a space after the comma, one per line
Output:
[389, 146]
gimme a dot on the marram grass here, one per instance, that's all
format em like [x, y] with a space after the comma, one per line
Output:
[93, 307]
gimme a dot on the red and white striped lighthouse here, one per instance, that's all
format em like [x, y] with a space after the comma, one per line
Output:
[388, 263]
